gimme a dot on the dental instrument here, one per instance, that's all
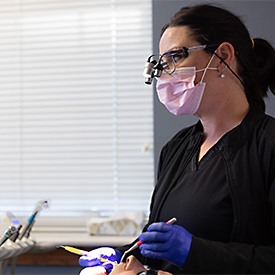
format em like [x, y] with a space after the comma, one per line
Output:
[40, 205]
[138, 243]
[78, 251]
[8, 217]
[8, 233]
[73, 250]
[16, 234]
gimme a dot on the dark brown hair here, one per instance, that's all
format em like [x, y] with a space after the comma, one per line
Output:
[211, 24]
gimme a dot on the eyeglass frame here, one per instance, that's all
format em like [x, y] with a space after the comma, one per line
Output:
[185, 52]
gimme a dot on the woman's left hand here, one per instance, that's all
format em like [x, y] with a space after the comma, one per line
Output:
[106, 257]
[166, 242]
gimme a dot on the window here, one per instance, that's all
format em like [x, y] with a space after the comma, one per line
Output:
[76, 119]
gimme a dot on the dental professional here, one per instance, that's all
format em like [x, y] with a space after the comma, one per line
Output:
[216, 177]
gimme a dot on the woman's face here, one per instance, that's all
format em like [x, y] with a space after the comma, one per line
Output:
[131, 267]
[174, 38]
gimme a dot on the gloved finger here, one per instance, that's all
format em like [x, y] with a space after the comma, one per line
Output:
[109, 266]
[110, 257]
[154, 247]
[152, 254]
[153, 237]
[106, 253]
[159, 226]
[88, 261]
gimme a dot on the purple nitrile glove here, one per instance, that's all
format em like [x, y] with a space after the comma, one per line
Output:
[166, 242]
[106, 257]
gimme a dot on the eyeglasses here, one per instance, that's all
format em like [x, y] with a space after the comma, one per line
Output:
[170, 60]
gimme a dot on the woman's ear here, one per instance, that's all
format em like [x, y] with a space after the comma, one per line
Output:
[128, 263]
[226, 52]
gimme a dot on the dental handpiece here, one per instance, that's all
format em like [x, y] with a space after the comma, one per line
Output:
[26, 230]
[28, 226]
[138, 243]
[16, 234]
[8, 216]
[8, 233]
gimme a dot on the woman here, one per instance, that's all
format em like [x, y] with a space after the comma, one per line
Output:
[216, 177]
[131, 267]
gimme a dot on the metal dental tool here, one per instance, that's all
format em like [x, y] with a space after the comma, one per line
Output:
[138, 243]
[16, 234]
[14, 222]
[8, 233]
[26, 230]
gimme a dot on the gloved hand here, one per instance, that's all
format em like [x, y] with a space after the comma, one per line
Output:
[106, 257]
[166, 242]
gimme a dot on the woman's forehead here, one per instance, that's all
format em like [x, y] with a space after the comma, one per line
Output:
[175, 38]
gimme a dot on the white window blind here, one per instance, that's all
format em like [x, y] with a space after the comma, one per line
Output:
[75, 115]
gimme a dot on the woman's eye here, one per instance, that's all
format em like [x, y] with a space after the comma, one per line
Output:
[178, 57]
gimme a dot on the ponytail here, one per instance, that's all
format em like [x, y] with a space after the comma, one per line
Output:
[264, 65]
[257, 69]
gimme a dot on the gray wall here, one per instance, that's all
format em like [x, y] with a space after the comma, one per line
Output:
[258, 17]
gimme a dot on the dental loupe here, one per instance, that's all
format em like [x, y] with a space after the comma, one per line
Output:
[152, 69]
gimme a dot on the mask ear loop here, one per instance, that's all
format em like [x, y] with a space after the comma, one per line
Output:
[207, 67]
[249, 96]
[227, 66]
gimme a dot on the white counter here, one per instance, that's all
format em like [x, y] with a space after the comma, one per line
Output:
[50, 240]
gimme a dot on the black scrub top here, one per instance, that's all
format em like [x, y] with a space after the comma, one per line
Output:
[200, 200]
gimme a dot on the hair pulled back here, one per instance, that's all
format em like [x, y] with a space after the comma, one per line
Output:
[211, 24]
